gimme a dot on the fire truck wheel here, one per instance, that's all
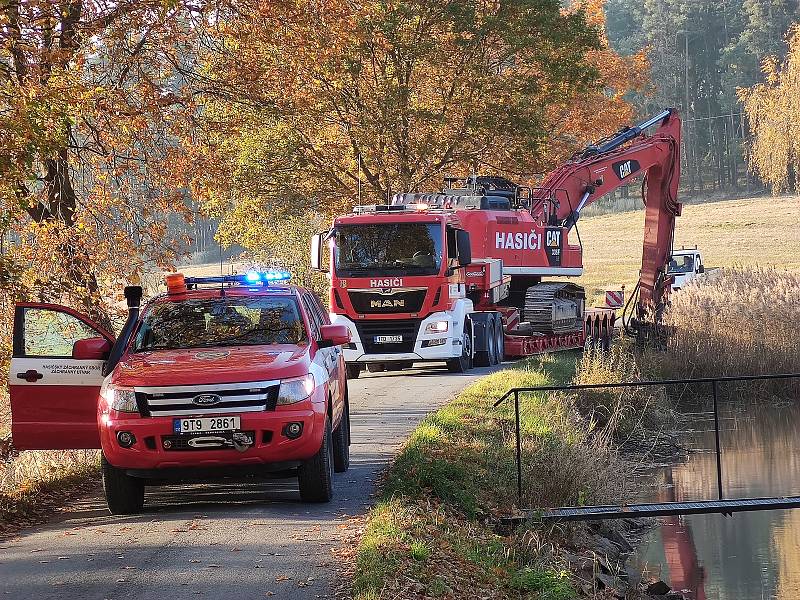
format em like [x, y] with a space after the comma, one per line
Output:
[315, 476]
[354, 370]
[501, 340]
[376, 367]
[463, 363]
[124, 494]
[341, 442]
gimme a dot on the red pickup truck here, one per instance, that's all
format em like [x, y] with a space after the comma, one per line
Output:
[236, 376]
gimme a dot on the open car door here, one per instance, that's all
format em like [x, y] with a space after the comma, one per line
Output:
[55, 378]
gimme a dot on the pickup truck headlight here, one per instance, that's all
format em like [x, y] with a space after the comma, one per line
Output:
[296, 389]
[121, 399]
[437, 327]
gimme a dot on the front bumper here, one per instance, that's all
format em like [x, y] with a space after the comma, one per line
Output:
[270, 446]
[449, 345]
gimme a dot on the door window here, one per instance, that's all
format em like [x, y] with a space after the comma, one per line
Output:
[313, 318]
[322, 314]
[52, 333]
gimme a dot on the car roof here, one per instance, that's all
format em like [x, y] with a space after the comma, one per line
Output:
[212, 292]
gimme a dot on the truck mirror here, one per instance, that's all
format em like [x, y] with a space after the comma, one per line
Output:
[316, 251]
[701, 269]
[463, 248]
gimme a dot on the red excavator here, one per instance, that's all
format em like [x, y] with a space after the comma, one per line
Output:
[459, 275]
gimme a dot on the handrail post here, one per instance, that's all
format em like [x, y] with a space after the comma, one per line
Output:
[519, 449]
[716, 438]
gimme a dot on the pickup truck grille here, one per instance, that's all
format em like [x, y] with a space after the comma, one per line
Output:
[178, 401]
[369, 330]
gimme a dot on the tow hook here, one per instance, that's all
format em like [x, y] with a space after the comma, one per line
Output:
[242, 441]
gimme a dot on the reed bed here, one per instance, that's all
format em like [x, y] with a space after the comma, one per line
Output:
[743, 321]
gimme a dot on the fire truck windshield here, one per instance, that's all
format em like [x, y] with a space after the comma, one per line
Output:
[228, 321]
[388, 248]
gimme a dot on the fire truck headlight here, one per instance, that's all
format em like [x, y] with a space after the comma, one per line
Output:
[119, 398]
[296, 389]
[437, 327]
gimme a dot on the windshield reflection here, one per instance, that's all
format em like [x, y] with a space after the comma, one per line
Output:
[388, 248]
[212, 322]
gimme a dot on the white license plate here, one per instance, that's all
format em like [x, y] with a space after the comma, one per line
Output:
[388, 339]
[206, 424]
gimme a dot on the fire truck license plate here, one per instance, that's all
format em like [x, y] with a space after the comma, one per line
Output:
[206, 424]
[388, 339]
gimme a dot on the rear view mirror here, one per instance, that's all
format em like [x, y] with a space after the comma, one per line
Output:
[701, 269]
[316, 251]
[334, 335]
[463, 248]
[95, 348]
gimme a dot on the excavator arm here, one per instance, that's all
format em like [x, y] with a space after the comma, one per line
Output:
[612, 163]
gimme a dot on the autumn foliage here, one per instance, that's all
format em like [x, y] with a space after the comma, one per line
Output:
[341, 104]
[91, 118]
[773, 112]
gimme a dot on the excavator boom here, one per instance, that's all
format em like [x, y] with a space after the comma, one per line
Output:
[610, 164]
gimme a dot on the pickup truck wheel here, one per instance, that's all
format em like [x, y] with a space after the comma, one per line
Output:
[341, 442]
[463, 363]
[124, 494]
[315, 476]
[354, 370]
[376, 367]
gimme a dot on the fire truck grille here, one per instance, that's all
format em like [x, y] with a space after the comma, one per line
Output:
[392, 301]
[371, 332]
[176, 401]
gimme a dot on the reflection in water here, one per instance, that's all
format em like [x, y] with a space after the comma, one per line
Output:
[749, 556]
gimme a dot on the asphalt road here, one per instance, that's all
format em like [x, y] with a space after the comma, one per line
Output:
[225, 541]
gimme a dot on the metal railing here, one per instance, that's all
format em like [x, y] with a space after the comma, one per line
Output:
[713, 381]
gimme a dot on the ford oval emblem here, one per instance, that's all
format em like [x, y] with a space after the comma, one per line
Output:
[206, 399]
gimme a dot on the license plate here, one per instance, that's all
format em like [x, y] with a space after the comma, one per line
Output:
[206, 424]
[388, 339]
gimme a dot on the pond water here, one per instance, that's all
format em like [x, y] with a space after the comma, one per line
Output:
[748, 556]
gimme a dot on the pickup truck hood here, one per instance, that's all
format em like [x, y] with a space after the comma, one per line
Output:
[200, 366]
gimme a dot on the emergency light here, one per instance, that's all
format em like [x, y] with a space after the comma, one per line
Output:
[270, 276]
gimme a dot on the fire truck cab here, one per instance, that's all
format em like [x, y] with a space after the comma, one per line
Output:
[235, 376]
[398, 283]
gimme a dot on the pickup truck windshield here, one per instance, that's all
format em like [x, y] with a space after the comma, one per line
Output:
[228, 321]
[388, 248]
[681, 264]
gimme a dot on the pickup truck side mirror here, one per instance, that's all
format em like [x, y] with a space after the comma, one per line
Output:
[701, 269]
[94, 348]
[334, 335]
[317, 244]
[463, 248]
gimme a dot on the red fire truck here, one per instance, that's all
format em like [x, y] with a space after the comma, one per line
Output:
[232, 376]
[476, 272]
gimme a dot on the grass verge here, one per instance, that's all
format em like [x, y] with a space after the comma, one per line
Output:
[430, 533]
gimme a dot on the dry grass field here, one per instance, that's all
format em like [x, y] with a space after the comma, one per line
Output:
[751, 232]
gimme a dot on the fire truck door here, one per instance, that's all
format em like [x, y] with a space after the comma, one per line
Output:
[55, 378]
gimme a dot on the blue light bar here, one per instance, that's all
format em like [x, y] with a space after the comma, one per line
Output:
[250, 278]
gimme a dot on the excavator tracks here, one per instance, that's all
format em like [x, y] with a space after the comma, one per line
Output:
[554, 307]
